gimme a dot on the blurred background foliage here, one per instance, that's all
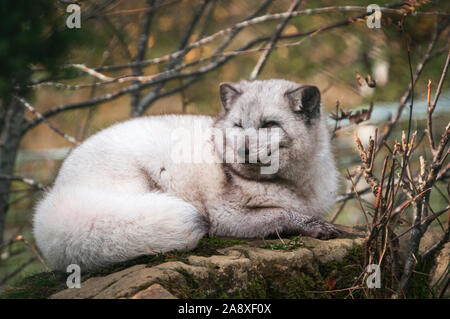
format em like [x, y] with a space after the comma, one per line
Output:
[26, 39]
[329, 60]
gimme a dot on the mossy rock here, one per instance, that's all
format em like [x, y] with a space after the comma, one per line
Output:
[43, 285]
[294, 267]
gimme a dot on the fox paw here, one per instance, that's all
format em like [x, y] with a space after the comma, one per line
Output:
[320, 229]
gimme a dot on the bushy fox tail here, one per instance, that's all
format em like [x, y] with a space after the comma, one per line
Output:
[94, 228]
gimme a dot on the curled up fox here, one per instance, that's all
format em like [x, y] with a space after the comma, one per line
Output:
[161, 183]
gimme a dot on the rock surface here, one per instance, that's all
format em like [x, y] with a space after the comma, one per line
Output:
[155, 291]
[256, 269]
[441, 269]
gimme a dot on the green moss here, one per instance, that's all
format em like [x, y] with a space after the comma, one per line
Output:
[150, 260]
[212, 287]
[257, 288]
[304, 286]
[271, 285]
[420, 282]
[44, 284]
[208, 246]
[291, 244]
[298, 286]
[300, 283]
[276, 283]
[192, 289]
[344, 272]
[37, 286]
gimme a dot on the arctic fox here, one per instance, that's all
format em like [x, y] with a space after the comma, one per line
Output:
[124, 192]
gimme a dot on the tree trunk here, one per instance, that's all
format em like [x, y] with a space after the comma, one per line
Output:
[11, 125]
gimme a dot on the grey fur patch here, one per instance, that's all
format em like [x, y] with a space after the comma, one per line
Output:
[228, 94]
[152, 185]
[305, 101]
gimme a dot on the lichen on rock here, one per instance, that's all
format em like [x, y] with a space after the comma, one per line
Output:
[234, 269]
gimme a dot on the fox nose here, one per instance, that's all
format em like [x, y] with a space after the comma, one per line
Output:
[243, 151]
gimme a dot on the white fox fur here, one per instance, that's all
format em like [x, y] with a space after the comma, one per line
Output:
[120, 194]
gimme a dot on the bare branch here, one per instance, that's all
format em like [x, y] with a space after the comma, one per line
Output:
[418, 71]
[46, 121]
[142, 47]
[25, 180]
[90, 71]
[146, 101]
[262, 59]
[139, 10]
[431, 107]
[265, 18]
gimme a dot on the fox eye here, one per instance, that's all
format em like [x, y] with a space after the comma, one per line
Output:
[237, 125]
[270, 124]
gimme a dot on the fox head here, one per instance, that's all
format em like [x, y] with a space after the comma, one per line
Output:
[268, 126]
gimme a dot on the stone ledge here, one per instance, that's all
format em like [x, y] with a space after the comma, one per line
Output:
[257, 269]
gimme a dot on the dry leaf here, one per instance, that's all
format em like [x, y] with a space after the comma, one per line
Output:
[330, 282]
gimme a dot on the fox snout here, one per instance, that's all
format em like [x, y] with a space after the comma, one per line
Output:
[253, 155]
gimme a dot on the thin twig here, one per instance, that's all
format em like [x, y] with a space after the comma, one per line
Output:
[431, 107]
[263, 58]
[46, 121]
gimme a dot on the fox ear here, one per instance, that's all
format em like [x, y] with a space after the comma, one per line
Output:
[305, 100]
[228, 94]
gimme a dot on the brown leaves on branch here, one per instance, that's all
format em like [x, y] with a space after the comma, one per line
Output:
[355, 117]
[366, 81]
[368, 158]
